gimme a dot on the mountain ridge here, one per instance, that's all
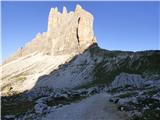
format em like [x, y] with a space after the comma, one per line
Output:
[65, 69]
[67, 33]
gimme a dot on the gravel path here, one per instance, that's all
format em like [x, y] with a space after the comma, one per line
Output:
[96, 107]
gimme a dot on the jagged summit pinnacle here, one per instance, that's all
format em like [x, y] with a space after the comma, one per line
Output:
[64, 10]
[68, 32]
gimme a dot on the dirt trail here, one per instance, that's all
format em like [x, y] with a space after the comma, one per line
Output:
[96, 107]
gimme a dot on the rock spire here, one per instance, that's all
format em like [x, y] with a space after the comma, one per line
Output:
[68, 32]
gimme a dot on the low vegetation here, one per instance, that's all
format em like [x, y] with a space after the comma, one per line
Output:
[111, 66]
[64, 101]
[128, 94]
[15, 105]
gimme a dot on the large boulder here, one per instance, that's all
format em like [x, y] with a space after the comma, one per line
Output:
[125, 79]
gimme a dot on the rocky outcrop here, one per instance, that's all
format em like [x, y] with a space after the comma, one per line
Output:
[67, 33]
[125, 79]
[70, 32]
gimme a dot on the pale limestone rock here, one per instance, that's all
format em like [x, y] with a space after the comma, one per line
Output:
[78, 7]
[67, 33]
[128, 79]
[64, 10]
[23, 73]
[85, 26]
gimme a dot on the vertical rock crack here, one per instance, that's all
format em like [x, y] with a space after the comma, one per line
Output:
[77, 31]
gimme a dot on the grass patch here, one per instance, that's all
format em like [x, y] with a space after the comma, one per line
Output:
[148, 115]
[15, 105]
[64, 101]
[16, 108]
[7, 86]
[128, 94]
[22, 78]
[152, 92]
[146, 63]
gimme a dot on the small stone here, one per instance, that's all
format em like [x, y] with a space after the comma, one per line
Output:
[121, 108]
[9, 117]
[40, 107]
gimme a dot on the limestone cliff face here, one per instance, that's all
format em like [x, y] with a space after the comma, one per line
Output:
[67, 33]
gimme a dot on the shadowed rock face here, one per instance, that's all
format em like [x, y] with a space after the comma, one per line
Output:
[67, 33]
[125, 79]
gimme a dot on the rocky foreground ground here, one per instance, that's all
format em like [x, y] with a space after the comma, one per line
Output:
[121, 100]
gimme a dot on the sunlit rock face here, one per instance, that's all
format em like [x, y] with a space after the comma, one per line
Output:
[68, 32]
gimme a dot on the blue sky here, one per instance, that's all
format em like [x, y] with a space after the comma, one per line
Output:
[131, 26]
